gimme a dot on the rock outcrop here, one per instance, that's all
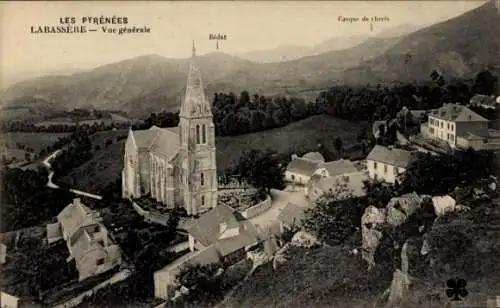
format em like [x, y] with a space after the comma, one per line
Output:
[371, 220]
[394, 214]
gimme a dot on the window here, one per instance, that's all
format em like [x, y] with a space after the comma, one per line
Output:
[375, 165]
[448, 125]
[197, 134]
[202, 200]
[202, 179]
[100, 261]
[204, 134]
[100, 242]
[395, 171]
[293, 177]
[385, 168]
[96, 229]
[442, 124]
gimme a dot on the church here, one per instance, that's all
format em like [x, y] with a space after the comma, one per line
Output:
[176, 166]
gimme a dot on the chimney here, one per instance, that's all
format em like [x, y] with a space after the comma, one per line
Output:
[77, 202]
[294, 156]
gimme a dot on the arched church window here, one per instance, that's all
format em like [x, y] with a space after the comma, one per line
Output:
[202, 179]
[204, 134]
[197, 134]
[202, 200]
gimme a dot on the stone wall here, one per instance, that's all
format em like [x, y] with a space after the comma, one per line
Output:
[151, 216]
[258, 208]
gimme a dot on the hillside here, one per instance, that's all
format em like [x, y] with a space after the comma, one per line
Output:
[153, 83]
[302, 136]
[458, 47]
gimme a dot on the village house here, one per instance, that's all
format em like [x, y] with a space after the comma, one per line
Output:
[331, 169]
[224, 228]
[300, 169]
[457, 125]
[87, 239]
[220, 234]
[9, 301]
[353, 182]
[3, 253]
[387, 163]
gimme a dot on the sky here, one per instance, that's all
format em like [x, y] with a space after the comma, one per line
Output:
[174, 25]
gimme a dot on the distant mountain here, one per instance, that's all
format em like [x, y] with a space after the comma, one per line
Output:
[153, 83]
[293, 52]
[458, 48]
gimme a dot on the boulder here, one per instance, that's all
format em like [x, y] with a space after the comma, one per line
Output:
[400, 208]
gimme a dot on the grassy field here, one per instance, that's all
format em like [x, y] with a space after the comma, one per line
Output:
[10, 142]
[297, 137]
[301, 136]
[320, 277]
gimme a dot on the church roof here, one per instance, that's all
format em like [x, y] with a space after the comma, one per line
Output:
[164, 141]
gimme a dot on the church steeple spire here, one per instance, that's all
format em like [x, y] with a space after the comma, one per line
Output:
[195, 103]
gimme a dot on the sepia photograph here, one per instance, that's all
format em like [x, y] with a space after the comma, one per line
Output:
[247, 154]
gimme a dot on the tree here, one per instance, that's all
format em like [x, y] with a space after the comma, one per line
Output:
[485, 83]
[262, 170]
[338, 146]
[336, 216]
[204, 285]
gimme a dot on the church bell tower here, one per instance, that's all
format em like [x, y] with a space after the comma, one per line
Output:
[197, 138]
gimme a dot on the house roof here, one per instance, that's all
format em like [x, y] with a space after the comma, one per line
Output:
[456, 113]
[392, 156]
[418, 113]
[340, 166]
[76, 215]
[302, 166]
[292, 213]
[354, 181]
[314, 156]
[163, 141]
[206, 228]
